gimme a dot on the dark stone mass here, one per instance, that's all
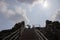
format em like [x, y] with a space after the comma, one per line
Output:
[51, 31]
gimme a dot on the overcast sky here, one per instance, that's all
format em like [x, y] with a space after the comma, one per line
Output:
[33, 12]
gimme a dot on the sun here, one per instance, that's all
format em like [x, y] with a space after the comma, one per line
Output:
[45, 4]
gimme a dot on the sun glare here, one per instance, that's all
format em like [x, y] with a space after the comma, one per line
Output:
[45, 4]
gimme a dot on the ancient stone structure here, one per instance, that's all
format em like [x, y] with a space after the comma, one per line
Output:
[50, 32]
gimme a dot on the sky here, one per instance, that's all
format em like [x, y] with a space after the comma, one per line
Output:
[33, 12]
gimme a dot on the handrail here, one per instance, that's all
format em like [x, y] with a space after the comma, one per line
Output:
[14, 34]
[41, 34]
[10, 34]
[16, 37]
[40, 37]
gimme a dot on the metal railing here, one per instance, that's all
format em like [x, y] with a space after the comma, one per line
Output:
[41, 34]
[14, 35]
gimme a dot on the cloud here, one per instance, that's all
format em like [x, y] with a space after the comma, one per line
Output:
[4, 9]
[12, 11]
[17, 12]
[20, 15]
[27, 1]
[56, 16]
[10, 15]
[30, 2]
